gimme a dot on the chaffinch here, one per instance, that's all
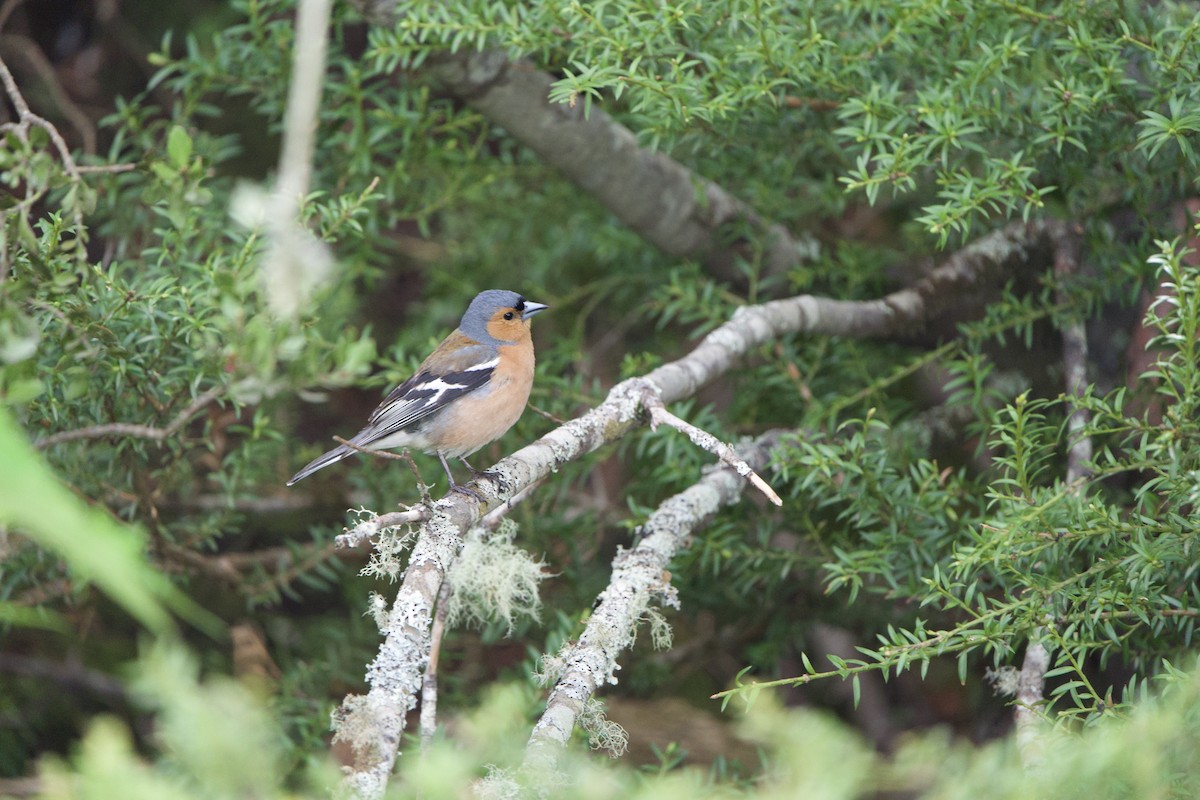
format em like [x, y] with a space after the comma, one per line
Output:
[469, 391]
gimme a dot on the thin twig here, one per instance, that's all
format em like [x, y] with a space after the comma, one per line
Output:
[285, 564]
[491, 520]
[133, 429]
[429, 681]
[71, 676]
[659, 415]
[403, 455]
[541, 412]
[103, 168]
[26, 118]
[371, 451]
[34, 57]
[304, 101]
[316, 554]
[278, 503]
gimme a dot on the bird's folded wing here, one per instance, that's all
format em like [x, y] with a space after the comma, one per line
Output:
[421, 396]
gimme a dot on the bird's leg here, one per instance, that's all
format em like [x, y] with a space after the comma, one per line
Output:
[481, 473]
[478, 473]
[454, 487]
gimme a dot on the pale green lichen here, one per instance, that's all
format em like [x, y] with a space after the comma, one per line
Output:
[603, 733]
[494, 580]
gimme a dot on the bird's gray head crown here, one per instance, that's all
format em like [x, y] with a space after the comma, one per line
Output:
[475, 320]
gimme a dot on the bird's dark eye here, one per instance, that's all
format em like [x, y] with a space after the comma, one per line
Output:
[508, 315]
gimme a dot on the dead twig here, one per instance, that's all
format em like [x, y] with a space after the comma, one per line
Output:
[403, 455]
[491, 520]
[659, 415]
[37, 61]
[102, 168]
[546, 414]
[26, 118]
[371, 451]
[133, 429]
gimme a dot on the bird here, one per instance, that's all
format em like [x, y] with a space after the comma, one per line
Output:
[470, 390]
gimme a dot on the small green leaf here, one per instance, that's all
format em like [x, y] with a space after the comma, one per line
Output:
[179, 147]
[164, 172]
[22, 391]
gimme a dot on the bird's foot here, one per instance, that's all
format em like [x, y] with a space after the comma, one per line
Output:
[481, 474]
[468, 491]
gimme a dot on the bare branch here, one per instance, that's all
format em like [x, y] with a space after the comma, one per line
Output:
[90, 168]
[679, 212]
[25, 120]
[70, 675]
[278, 503]
[659, 415]
[295, 261]
[133, 429]
[37, 61]
[304, 100]
[371, 451]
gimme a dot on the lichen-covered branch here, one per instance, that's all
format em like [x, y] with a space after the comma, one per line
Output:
[374, 524]
[394, 676]
[639, 577]
[1031, 686]
[373, 723]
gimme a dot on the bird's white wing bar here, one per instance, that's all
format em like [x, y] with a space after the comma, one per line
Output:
[422, 397]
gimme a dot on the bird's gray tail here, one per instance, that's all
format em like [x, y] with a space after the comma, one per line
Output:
[320, 462]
